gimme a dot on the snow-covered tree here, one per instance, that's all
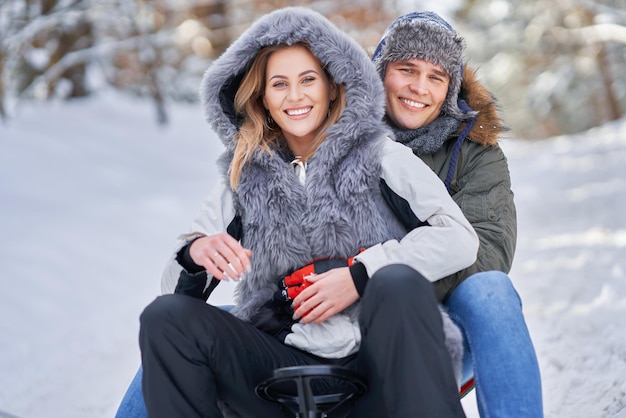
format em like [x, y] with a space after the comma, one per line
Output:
[55, 48]
[158, 49]
[557, 67]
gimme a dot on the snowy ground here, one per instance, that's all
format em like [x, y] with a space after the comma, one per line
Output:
[93, 194]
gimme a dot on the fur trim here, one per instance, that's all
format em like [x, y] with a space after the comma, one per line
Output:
[340, 55]
[454, 344]
[489, 124]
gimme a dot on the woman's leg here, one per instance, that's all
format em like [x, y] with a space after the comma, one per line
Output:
[489, 312]
[132, 405]
[194, 354]
[402, 355]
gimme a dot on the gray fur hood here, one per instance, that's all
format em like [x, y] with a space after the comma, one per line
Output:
[341, 56]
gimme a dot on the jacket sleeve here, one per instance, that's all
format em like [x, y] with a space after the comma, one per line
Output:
[216, 213]
[482, 189]
[446, 244]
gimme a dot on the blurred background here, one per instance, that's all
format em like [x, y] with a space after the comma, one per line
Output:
[105, 157]
[556, 67]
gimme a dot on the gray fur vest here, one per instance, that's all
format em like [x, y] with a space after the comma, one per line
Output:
[338, 211]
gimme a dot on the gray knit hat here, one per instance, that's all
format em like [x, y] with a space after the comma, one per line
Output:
[425, 35]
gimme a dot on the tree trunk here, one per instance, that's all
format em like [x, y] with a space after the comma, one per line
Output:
[612, 104]
[3, 114]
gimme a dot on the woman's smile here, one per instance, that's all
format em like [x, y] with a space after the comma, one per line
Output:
[300, 112]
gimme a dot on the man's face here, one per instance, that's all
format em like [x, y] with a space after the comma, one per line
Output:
[415, 91]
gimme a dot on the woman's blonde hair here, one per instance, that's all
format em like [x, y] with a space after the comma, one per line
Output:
[258, 131]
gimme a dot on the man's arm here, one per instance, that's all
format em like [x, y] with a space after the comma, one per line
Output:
[446, 244]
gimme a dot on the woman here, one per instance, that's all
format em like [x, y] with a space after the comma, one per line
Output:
[308, 175]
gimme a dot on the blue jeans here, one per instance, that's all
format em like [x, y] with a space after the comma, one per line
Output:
[132, 405]
[498, 348]
[498, 351]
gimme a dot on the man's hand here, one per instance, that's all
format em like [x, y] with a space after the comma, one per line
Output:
[330, 293]
[221, 255]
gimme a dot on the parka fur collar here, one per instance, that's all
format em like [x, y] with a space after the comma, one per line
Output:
[489, 125]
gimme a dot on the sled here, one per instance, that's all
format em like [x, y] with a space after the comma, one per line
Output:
[304, 403]
[466, 387]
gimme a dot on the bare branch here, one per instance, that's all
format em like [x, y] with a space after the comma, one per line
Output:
[599, 8]
[604, 32]
[87, 55]
[36, 26]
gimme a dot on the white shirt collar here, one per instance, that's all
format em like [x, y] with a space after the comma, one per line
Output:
[299, 168]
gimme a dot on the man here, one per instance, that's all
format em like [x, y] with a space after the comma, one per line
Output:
[436, 106]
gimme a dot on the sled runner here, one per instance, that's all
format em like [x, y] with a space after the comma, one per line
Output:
[466, 387]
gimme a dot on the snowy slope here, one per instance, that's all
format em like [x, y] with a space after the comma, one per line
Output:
[570, 266]
[93, 195]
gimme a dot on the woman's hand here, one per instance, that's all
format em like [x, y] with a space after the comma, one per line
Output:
[330, 293]
[222, 256]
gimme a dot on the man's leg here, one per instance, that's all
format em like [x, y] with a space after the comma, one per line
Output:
[194, 354]
[402, 355]
[132, 405]
[488, 310]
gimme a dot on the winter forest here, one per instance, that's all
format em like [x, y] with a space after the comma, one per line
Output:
[105, 157]
[556, 67]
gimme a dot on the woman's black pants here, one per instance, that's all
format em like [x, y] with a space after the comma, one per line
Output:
[195, 355]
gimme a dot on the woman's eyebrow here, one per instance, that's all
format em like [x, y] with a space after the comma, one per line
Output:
[303, 73]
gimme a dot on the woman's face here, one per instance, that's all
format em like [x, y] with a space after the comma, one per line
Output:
[297, 95]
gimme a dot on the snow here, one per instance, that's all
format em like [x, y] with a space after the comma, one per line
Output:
[93, 194]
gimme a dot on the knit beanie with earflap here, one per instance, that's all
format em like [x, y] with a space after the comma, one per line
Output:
[426, 36]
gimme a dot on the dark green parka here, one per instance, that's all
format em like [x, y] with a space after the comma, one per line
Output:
[481, 185]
